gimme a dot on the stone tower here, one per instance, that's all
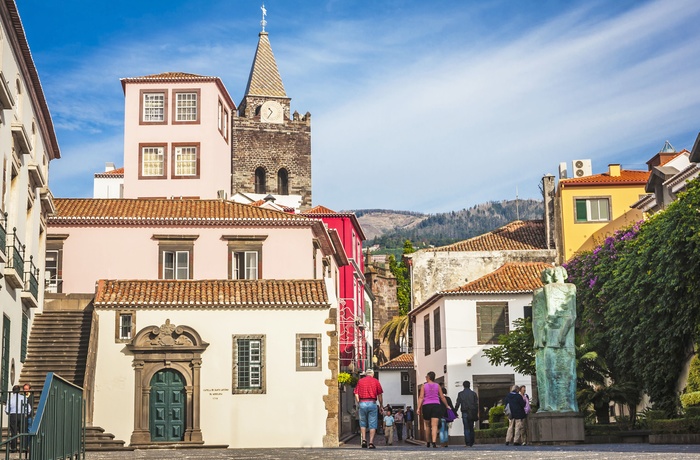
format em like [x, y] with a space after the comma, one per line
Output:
[271, 145]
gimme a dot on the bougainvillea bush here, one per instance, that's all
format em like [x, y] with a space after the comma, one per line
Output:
[638, 297]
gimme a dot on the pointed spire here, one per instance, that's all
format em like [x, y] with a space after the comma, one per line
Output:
[265, 79]
[667, 148]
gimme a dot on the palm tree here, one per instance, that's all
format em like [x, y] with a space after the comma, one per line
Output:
[396, 330]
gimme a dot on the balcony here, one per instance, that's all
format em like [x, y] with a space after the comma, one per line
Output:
[14, 266]
[22, 143]
[30, 292]
[36, 175]
[47, 205]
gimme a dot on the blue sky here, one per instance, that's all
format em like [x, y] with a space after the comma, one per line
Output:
[424, 106]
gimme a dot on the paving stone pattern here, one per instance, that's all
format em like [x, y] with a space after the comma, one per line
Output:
[352, 451]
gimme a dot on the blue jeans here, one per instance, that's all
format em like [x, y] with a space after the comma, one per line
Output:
[368, 415]
[468, 430]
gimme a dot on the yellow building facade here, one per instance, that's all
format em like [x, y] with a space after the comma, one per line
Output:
[593, 207]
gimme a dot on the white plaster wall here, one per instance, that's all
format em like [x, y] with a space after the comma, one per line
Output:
[461, 344]
[108, 187]
[215, 151]
[292, 397]
[93, 253]
[435, 271]
[391, 384]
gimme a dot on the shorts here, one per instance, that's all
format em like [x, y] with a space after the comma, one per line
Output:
[368, 415]
[433, 411]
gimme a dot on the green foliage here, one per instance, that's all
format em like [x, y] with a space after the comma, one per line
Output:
[690, 399]
[491, 433]
[345, 378]
[496, 414]
[638, 301]
[691, 411]
[515, 348]
[676, 426]
[694, 375]
[395, 329]
[403, 283]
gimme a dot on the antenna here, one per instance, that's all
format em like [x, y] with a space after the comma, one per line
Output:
[263, 23]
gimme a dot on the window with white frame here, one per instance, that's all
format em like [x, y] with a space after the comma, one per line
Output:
[185, 161]
[125, 325]
[248, 364]
[153, 107]
[308, 352]
[176, 265]
[245, 265]
[592, 209]
[153, 161]
[51, 271]
[186, 107]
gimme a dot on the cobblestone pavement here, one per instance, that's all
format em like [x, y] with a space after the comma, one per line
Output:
[352, 451]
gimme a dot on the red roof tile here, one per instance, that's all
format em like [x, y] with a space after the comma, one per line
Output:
[404, 361]
[113, 173]
[155, 211]
[259, 294]
[319, 210]
[179, 77]
[510, 278]
[322, 211]
[516, 236]
[626, 177]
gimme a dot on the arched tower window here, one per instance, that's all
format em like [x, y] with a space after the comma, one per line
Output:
[260, 186]
[283, 182]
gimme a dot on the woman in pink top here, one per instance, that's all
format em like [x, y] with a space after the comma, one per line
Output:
[430, 408]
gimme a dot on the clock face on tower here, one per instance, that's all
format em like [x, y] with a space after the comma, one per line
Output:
[271, 112]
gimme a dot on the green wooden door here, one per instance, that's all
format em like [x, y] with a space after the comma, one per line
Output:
[167, 406]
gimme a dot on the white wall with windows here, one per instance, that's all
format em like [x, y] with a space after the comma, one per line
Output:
[257, 362]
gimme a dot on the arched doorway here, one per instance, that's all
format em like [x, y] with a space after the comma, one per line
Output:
[167, 363]
[167, 406]
[260, 185]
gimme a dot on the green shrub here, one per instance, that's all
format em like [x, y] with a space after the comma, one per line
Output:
[691, 399]
[345, 378]
[676, 426]
[692, 411]
[499, 425]
[694, 375]
[610, 429]
[496, 414]
[491, 433]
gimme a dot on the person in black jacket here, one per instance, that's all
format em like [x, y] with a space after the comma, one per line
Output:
[469, 403]
[516, 424]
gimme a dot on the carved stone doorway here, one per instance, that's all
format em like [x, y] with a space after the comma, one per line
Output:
[156, 349]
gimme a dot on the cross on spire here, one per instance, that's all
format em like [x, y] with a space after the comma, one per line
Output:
[263, 23]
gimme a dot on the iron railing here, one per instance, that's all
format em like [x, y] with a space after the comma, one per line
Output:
[3, 232]
[56, 430]
[15, 253]
[31, 280]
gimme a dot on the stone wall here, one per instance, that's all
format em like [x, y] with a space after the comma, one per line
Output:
[386, 305]
[435, 271]
[273, 147]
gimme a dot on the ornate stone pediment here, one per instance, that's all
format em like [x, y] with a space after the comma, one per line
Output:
[167, 335]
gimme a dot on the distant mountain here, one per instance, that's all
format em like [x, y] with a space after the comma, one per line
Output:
[389, 229]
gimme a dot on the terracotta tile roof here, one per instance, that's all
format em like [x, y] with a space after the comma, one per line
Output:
[113, 173]
[264, 79]
[514, 278]
[626, 177]
[258, 294]
[518, 235]
[319, 210]
[402, 362]
[161, 211]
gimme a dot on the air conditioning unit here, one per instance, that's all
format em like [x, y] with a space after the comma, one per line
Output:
[581, 168]
[562, 171]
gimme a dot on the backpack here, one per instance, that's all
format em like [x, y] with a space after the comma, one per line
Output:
[507, 410]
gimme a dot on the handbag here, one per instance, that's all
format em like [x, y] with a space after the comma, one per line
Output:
[451, 416]
[507, 410]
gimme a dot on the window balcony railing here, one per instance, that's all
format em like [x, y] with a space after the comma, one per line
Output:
[30, 293]
[3, 235]
[14, 266]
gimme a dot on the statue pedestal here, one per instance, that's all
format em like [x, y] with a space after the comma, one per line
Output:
[555, 428]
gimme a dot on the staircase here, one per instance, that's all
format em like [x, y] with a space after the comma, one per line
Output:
[59, 343]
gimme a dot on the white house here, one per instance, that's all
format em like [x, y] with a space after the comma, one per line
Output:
[453, 327]
[397, 379]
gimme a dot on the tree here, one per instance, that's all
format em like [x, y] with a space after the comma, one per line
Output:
[397, 329]
[515, 348]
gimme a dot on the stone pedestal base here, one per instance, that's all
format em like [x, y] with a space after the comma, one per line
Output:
[555, 428]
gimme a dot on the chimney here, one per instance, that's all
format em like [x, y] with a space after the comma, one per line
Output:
[614, 170]
[109, 167]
